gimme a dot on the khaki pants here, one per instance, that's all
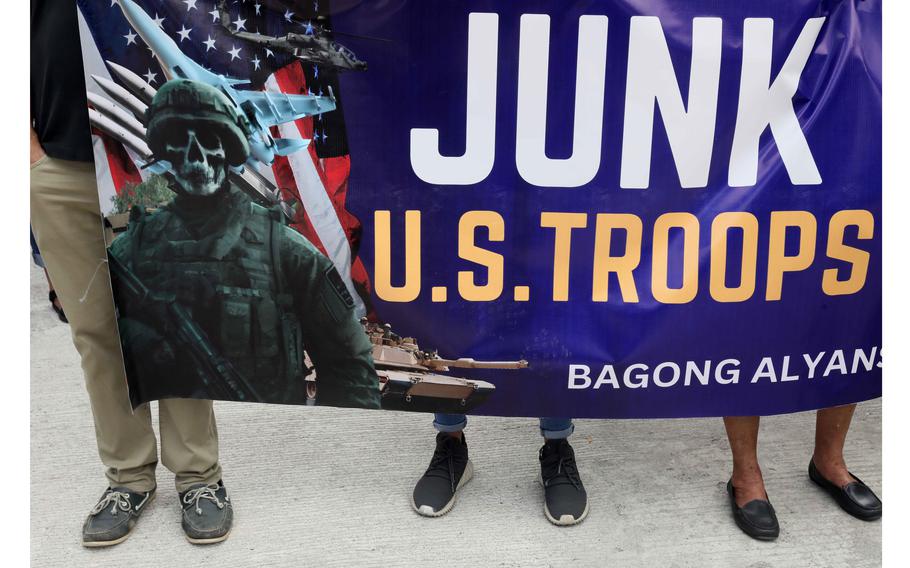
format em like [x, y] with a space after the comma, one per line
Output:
[67, 224]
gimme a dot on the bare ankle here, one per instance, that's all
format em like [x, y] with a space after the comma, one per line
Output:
[749, 474]
[832, 467]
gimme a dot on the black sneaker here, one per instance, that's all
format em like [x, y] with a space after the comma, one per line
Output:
[450, 469]
[207, 513]
[112, 519]
[565, 498]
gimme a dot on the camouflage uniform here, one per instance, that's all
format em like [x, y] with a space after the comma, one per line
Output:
[260, 291]
[257, 288]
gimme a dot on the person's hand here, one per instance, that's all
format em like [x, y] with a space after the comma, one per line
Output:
[36, 152]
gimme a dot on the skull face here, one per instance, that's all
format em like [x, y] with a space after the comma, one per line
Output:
[198, 158]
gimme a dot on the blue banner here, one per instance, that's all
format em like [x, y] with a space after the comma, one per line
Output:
[602, 208]
[787, 321]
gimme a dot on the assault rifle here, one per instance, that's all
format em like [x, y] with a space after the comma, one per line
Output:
[220, 377]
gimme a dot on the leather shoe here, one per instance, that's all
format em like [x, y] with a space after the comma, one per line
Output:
[855, 497]
[756, 518]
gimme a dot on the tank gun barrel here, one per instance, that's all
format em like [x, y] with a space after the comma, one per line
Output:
[468, 363]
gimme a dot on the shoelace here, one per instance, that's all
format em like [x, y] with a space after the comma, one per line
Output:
[445, 456]
[119, 499]
[193, 496]
[565, 469]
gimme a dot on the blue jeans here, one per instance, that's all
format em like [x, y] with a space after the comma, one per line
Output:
[36, 254]
[550, 428]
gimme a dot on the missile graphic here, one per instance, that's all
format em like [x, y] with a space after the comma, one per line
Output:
[107, 108]
[120, 133]
[136, 85]
[122, 97]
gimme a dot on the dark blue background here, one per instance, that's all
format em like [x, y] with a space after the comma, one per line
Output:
[418, 80]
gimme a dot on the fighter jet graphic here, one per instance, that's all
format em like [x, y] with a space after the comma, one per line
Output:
[313, 45]
[123, 115]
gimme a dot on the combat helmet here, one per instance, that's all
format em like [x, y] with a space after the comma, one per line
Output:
[185, 101]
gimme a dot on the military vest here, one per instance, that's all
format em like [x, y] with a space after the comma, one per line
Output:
[226, 272]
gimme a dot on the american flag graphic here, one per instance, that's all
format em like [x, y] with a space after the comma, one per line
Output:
[316, 178]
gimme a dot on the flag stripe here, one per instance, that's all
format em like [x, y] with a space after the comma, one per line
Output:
[284, 179]
[313, 195]
[106, 187]
[120, 164]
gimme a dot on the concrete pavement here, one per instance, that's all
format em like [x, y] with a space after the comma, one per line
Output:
[339, 482]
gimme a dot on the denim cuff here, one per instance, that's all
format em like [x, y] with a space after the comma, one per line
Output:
[450, 427]
[558, 434]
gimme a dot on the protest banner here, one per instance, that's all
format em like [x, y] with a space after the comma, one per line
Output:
[607, 209]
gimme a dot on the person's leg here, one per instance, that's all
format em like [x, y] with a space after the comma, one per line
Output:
[752, 509]
[556, 428]
[189, 448]
[67, 225]
[452, 424]
[189, 441]
[36, 254]
[68, 228]
[51, 293]
[831, 426]
[565, 497]
[449, 469]
[742, 432]
[829, 470]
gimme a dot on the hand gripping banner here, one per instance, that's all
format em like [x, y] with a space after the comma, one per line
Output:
[606, 209]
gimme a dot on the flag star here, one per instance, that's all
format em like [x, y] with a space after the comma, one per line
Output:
[288, 15]
[158, 21]
[309, 29]
[315, 71]
[316, 6]
[255, 61]
[269, 53]
[235, 52]
[324, 137]
[151, 77]
[190, 4]
[215, 15]
[209, 43]
[184, 33]
[258, 7]
[130, 37]
[240, 24]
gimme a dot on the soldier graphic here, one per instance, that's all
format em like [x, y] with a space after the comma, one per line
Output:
[230, 296]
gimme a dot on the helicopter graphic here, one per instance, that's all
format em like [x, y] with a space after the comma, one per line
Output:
[312, 46]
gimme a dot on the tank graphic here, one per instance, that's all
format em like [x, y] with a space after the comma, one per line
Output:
[410, 377]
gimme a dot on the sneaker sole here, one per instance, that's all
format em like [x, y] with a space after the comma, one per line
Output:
[427, 511]
[213, 540]
[106, 543]
[564, 520]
